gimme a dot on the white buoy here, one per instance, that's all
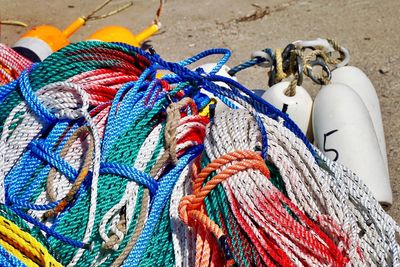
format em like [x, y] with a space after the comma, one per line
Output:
[208, 67]
[357, 80]
[298, 107]
[344, 131]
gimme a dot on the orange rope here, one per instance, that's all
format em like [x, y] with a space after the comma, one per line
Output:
[191, 207]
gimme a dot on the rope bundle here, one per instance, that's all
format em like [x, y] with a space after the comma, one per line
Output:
[103, 164]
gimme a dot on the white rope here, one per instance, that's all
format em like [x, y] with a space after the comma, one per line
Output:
[64, 100]
[237, 130]
[334, 191]
[182, 236]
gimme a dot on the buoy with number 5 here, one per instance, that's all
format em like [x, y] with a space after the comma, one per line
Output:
[344, 131]
[361, 84]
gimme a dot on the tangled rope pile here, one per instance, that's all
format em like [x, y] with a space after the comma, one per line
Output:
[104, 164]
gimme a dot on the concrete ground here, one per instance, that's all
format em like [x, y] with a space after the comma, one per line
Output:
[369, 28]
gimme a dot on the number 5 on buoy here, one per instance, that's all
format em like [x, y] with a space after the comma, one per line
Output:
[344, 131]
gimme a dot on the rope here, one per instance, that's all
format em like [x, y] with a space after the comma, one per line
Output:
[159, 11]
[215, 132]
[23, 246]
[79, 180]
[285, 63]
[11, 64]
[263, 58]
[104, 164]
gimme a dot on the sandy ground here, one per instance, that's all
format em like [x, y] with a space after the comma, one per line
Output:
[369, 28]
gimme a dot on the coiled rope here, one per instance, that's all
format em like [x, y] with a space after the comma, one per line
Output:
[104, 164]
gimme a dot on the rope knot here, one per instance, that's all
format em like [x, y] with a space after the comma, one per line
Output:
[184, 208]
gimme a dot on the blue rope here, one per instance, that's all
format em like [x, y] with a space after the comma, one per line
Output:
[130, 173]
[237, 91]
[7, 259]
[163, 194]
[46, 154]
[7, 89]
[130, 108]
[16, 180]
[111, 132]
[32, 101]
[251, 62]
[215, 51]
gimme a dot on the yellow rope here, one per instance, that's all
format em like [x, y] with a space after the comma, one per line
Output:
[337, 48]
[291, 89]
[305, 60]
[206, 110]
[23, 246]
[280, 74]
[16, 253]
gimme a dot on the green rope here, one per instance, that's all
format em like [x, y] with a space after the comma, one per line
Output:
[160, 251]
[138, 205]
[64, 64]
[276, 178]
[217, 207]
[219, 211]
[124, 151]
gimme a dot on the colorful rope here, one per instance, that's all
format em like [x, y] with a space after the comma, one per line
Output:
[104, 164]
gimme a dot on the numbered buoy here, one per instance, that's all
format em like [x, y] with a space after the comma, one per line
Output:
[344, 131]
[208, 67]
[357, 80]
[298, 107]
[123, 35]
